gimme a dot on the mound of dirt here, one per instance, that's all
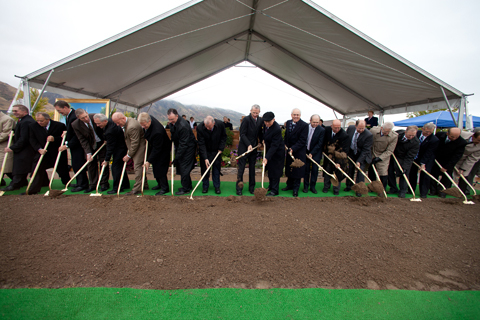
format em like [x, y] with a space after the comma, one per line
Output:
[233, 161]
[454, 192]
[297, 163]
[360, 187]
[377, 187]
[340, 155]
[331, 149]
[260, 194]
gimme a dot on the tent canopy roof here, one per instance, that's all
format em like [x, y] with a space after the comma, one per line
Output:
[296, 41]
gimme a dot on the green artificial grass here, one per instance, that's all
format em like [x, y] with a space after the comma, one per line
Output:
[112, 303]
[227, 188]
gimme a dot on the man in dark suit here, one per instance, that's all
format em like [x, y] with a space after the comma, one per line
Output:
[425, 159]
[450, 149]
[211, 138]
[159, 147]
[250, 132]
[406, 149]
[227, 124]
[371, 121]
[296, 135]
[336, 146]
[23, 152]
[185, 148]
[91, 139]
[72, 143]
[40, 132]
[275, 151]
[316, 135]
[360, 151]
[115, 150]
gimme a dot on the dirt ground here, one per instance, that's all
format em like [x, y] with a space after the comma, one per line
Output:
[218, 242]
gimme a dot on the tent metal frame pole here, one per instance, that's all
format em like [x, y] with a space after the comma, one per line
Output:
[461, 112]
[250, 28]
[172, 65]
[43, 90]
[468, 117]
[449, 107]
[15, 97]
[26, 93]
[318, 71]
[380, 118]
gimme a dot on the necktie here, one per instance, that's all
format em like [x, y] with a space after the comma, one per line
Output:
[404, 139]
[354, 142]
[447, 140]
[422, 138]
[292, 127]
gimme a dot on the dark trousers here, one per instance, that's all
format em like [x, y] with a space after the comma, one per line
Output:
[372, 176]
[92, 168]
[434, 187]
[274, 183]
[351, 171]
[424, 184]
[311, 174]
[252, 158]
[330, 168]
[41, 179]
[462, 184]
[78, 160]
[393, 173]
[160, 174]
[19, 180]
[215, 172]
[184, 167]
[293, 183]
[117, 167]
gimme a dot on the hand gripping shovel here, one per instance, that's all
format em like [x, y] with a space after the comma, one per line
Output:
[208, 169]
[408, 182]
[333, 176]
[98, 194]
[36, 168]
[246, 152]
[436, 180]
[5, 159]
[456, 186]
[357, 187]
[466, 181]
[56, 164]
[261, 192]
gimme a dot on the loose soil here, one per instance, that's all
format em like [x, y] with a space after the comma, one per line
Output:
[377, 187]
[360, 187]
[217, 242]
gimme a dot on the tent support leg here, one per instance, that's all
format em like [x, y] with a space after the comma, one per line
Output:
[380, 118]
[468, 116]
[461, 112]
[450, 108]
[26, 93]
[43, 90]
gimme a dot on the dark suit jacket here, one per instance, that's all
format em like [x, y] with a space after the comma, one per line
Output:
[405, 151]
[372, 122]
[364, 144]
[297, 141]
[340, 140]
[38, 139]
[71, 140]
[250, 132]
[116, 146]
[228, 125]
[23, 152]
[275, 150]
[184, 140]
[86, 136]
[316, 144]
[159, 144]
[448, 154]
[210, 142]
[426, 154]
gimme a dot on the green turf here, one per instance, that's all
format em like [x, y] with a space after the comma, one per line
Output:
[112, 303]
[227, 188]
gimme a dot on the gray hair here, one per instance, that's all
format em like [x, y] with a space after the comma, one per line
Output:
[315, 115]
[429, 126]
[144, 117]
[413, 127]
[298, 110]
[43, 114]
[388, 125]
[100, 116]
[255, 106]
[79, 111]
[209, 119]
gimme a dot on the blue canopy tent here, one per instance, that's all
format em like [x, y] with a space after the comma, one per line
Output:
[442, 119]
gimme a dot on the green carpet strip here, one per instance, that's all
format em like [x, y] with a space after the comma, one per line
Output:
[227, 189]
[111, 303]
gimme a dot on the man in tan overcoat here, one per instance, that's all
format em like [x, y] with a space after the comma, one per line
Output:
[135, 141]
[7, 124]
[384, 143]
[468, 163]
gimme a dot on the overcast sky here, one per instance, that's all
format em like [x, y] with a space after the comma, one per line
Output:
[441, 36]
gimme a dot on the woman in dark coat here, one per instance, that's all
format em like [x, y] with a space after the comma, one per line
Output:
[275, 152]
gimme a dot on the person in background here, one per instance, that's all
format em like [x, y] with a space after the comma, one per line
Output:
[227, 123]
[371, 121]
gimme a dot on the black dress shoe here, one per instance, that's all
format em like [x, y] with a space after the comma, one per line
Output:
[3, 183]
[392, 192]
[8, 188]
[157, 187]
[161, 192]
[401, 195]
[205, 190]
[112, 192]
[104, 188]
[251, 190]
[78, 189]
[358, 194]
[325, 190]
[347, 189]
[442, 195]
[182, 192]
[239, 192]
[271, 194]
[423, 196]
[313, 190]
[336, 192]
[217, 191]
[295, 194]
[73, 185]
[431, 193]
[89, 190]
[287, 188]
[305, 190]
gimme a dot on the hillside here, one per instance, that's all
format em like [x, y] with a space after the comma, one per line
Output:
[158, 109]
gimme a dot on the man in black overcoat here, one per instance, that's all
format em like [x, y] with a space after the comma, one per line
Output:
[337, 139]
[250, 133]
[41, 131]
[450, 149]
[23, 152]
[116, 148]
[275, 151]
[360, 151]
[185, 148]
[159, 147]
[211, 136]
[296, 135]
[316, 135]
[406, 149]
[72, 143]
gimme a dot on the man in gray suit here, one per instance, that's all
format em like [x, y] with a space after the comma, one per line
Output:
[361, 141]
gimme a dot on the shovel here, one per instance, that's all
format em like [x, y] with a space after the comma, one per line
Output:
[466, 181]
[36, 168]
[56, 164]
[356, 186]
[260, 193]
[405, 177]
[432, 177]
[121, 180]
[358, 168]
[246, 152]
[378, 182]
[98, 194]
[456, 186]
[5, 159]
[171, 169]
[144, 168]
[297, 163]
[333, 176]
[206, 171]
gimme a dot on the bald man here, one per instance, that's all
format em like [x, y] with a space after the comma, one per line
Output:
[450, 150]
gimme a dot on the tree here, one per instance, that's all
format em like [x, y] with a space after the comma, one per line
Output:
[34, 93]
[422, 113]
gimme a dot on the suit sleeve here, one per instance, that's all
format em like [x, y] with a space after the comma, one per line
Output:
[33, 138]
[302, 139]
[223, 137]
[134, 136]
[60, 128]
[7, 127]
[429, 154]
[110, 139]
[390, 148]
[183, 142]
[156, 143]
[346, 143]
[277, 142]
[408, 159]
[85, 145]
[24, 139]
[243, 132]
[457, 156]
[201, 144]
[317, 149]
[469, 161]
[366, 149]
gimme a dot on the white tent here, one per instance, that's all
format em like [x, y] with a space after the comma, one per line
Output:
[293, 40]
